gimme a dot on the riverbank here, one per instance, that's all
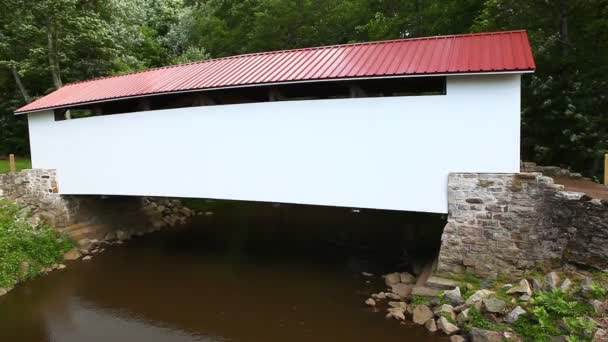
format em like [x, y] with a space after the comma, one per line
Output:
[571, 305]
[27, 248]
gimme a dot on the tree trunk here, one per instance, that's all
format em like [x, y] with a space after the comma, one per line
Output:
[563, 26]
[22, 89]
[52, 55]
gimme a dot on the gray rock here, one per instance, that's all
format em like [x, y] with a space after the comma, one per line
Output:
[537, 284]
[514, 315]
[523, 287]
[396, 313]
[421, 314]
[441, 283]
[367, 274]
[121, 235]
[600, 335]
[393, 296]
[587, 287]
[110, 236]
[598, 306]
[402, 290]
[494, 305]
[480, 335]
[406, 278]
[379, 296]
[454, 296]
[478, 296]
[446, 326]
[525, 298]
[400, 305]
[552, 280]
[72, 254]
[445, 310]
[87, 258]
[424, 291]
[463, 317]
[391, 279]
[3, 291]
[85, 244]
[370, 302]
[430, 325]
[566, 285]
[456, 338]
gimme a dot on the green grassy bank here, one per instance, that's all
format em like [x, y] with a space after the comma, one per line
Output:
[26, 249]
[20, 164]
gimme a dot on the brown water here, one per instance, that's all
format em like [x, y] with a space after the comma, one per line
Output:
[247, 273]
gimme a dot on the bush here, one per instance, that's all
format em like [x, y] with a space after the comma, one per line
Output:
[37, 245]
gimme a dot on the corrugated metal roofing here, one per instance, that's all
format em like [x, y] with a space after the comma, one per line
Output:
[467, 53]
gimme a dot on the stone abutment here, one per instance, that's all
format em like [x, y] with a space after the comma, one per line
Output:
[512, 224]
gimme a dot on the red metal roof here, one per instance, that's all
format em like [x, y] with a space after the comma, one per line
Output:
[467, 53]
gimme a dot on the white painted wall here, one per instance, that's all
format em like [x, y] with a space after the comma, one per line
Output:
[388, 153]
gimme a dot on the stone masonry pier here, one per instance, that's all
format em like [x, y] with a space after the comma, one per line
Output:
[88, 217]
[512, 224]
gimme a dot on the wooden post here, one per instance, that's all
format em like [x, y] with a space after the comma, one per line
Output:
[606, 169]
[11, 163]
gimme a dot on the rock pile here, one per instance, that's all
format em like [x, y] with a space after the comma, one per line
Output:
[467, 318]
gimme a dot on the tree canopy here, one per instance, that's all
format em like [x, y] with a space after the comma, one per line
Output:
[45, 43]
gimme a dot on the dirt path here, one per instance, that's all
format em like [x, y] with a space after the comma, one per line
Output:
[592, 189]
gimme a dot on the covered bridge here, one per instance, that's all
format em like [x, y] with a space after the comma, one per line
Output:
[369, 125]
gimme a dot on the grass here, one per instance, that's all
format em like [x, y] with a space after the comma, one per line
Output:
[20, 164]
[21, 242]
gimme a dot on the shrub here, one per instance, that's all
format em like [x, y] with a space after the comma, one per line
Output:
[20, 241]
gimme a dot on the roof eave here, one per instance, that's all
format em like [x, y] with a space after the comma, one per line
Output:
[522, 71]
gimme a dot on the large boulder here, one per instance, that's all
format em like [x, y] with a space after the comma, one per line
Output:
[446, 326]
[494, 305]
[463, 317]
[457, 338]
[445, 310]
[406, 278]
[402, 290]
[441, 283]
[392, 279]
[454, 296]
[430, 325]
[480, 335]
[424, 291]
[421, 314]
[401, 305]
[523, 287]
[72, 254]
[478, 296]
[396, 313]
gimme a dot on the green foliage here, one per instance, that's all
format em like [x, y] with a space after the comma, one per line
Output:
[598, 291]
[39, 246]
[478, 320]
[420, 300]
[555, 313]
